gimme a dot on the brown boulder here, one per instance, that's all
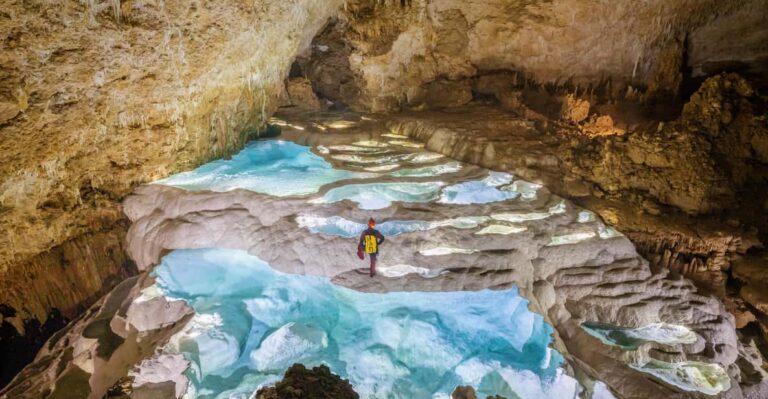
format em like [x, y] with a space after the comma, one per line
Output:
[301, 383]
[574, 109]
[300, 93]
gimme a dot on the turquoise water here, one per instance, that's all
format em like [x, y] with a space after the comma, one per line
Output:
[253, 322]
[480, 191]
[633, 338]
[283, 168]
[274, 167]
[338, 226]
[381, 195]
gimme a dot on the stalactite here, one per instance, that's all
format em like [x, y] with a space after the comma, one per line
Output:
[116, 11]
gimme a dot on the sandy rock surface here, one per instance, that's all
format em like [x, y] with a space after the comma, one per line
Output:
[97, 99]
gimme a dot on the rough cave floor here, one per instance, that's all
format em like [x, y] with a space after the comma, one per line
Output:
[452, 228]
[486, 279]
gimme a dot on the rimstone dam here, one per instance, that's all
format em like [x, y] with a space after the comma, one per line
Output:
[384, 199]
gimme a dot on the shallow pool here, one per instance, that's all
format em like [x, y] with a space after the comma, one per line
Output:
[252, 323]
[274, 167]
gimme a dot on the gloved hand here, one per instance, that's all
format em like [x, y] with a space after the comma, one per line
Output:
[360, 253]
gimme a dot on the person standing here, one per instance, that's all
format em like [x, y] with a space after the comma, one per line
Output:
[370, 239]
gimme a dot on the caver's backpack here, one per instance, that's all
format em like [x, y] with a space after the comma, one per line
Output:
[371, 243]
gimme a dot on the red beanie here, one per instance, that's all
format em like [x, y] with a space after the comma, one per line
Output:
[371, 222]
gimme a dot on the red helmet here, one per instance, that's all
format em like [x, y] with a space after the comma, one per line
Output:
[371, 222]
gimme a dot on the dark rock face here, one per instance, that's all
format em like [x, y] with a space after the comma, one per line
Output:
[85, 358]
[469, 393]
[327, 66]
[50, 289]
[68, 277]
[733, 42]
[464, 393]
[301, 383]
[19, 348]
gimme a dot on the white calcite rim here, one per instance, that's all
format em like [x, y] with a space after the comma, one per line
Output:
[444, 253]
[708, 378]
[662, 333]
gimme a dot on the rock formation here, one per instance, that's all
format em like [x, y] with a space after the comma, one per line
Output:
[99, 96]
[660, 183]
[419, 53]
[87, 357]
[572, 267]
[469, 393]
[619, 106]
[698, 163]
[300, 383]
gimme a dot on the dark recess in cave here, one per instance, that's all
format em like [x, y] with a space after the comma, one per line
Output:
[16, 350]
